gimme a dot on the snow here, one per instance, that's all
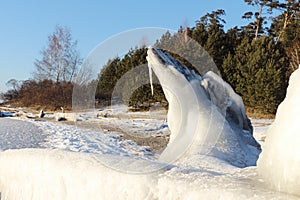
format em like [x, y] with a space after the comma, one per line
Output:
[93, 141]
[43, 159]
[280, 161]
[16, 134]
[56, 174]
[260, 127]
[205, 116]
[80, 163]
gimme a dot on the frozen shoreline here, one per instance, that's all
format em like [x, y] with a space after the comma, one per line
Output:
[211, 179]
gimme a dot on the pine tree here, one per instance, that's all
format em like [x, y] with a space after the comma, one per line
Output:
[289, 14]
[115, 84]
[229, 70]
[263, 7]
[261, 73]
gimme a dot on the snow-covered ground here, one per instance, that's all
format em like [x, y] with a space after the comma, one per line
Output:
[100, 164]
[112, 154]
[211, 152]
[16, 134]
[260, 126]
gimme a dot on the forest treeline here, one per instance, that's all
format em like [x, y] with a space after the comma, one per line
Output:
[256, 59]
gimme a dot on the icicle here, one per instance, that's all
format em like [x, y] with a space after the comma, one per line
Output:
[150, 78]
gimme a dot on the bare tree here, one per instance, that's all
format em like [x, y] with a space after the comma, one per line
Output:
[60, 59]
[13, 84]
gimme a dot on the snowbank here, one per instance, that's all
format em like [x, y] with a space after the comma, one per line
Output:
[33, 174]
[205, 116]
[99, 166]
[210, 136]
[55, 174]
[279, 162]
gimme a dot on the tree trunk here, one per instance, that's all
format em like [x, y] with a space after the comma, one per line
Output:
[259, 23]
[284, 27]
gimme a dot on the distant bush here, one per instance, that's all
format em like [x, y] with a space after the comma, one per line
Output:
[44, 93]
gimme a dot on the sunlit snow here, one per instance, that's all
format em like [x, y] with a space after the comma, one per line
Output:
[43, 159]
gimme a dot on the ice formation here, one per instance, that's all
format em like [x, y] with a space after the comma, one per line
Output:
[205, 115]
[55, 174]
[279, 162]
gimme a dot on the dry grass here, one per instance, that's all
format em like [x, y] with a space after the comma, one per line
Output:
[256, 114]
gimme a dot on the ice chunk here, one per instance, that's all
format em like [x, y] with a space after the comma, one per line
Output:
[198, 114]
[150, 79]
[229, 103]
[279, 162]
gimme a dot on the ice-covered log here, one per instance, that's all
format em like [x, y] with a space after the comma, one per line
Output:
[205, 116]
[279, 162]
[66, 116]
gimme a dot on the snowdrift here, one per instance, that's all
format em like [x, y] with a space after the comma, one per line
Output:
[55, 174]
[279, 162]
[211, 142]
[205, 115]
[35, 174]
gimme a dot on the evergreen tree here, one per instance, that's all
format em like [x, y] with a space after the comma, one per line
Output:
[256, 69]
[215, 43]
[289, 14]
[229, 70]
[199, 33]
[107, 80]
[286, 28]
[114, 83]
[261, 73]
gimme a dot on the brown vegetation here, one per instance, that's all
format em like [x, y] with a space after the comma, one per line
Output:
[257, 114]
[43, 94]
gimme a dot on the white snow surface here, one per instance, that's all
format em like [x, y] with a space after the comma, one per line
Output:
[279, 162]
[72, 166]
[15, 134]
[40, 159]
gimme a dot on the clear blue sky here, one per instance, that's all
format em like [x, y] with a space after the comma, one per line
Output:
[25, 25]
